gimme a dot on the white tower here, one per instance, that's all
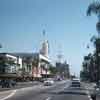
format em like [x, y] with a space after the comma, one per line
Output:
[44, 46]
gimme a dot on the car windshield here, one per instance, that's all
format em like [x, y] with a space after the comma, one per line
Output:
[49, 49]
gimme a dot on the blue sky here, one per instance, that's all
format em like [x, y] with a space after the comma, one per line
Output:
[65, 22]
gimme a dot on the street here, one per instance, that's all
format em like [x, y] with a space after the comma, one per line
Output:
[21, 85]
[49, 50]
[54, 92]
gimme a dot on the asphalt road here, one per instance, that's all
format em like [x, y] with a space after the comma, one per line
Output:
[49, 93]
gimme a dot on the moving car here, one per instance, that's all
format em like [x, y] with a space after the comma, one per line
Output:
[42, 80]
[75, 83]
[76, 79]
[48, 82]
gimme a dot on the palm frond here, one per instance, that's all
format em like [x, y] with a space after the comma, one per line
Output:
[93, 8]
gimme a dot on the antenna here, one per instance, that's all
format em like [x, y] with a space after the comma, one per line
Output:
[44, 34]
[59, 56]
[44, 45]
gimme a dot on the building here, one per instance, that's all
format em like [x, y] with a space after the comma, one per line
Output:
[44, 48]
[63, 69]
[9, 65]
[31, 65]
[34, 64]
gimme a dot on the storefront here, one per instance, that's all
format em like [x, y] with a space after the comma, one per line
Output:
[42, 66]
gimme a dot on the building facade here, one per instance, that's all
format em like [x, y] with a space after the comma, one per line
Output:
[63, 69]
[9, 64]
[34, 64]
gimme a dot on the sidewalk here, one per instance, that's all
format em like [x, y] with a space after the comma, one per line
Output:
[6, 93]
[90, 87]
[20, 85]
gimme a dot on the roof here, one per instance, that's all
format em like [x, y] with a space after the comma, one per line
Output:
[22, 55]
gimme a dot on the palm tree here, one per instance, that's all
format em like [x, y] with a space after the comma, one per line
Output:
[95, 9]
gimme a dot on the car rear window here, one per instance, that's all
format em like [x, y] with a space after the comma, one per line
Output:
[75, 82]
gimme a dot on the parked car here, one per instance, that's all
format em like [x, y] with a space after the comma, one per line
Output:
[8, 83]
[13, 83]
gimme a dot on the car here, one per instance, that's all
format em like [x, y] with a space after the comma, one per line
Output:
[48, 82]
[13, 83]
[75, 83]
[8, 83]
[42, 80]
[76, 79]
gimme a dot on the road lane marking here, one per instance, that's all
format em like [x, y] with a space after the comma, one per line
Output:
[10, 95]
[49, 98]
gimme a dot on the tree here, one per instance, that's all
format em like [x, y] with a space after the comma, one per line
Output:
[52, 69]
[94, 8]
[88, 71]
[84, 74]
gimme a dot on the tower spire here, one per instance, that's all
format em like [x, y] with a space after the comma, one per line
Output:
[45, 45]
[44, 34]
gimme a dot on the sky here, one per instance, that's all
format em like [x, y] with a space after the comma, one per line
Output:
[67, 27]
